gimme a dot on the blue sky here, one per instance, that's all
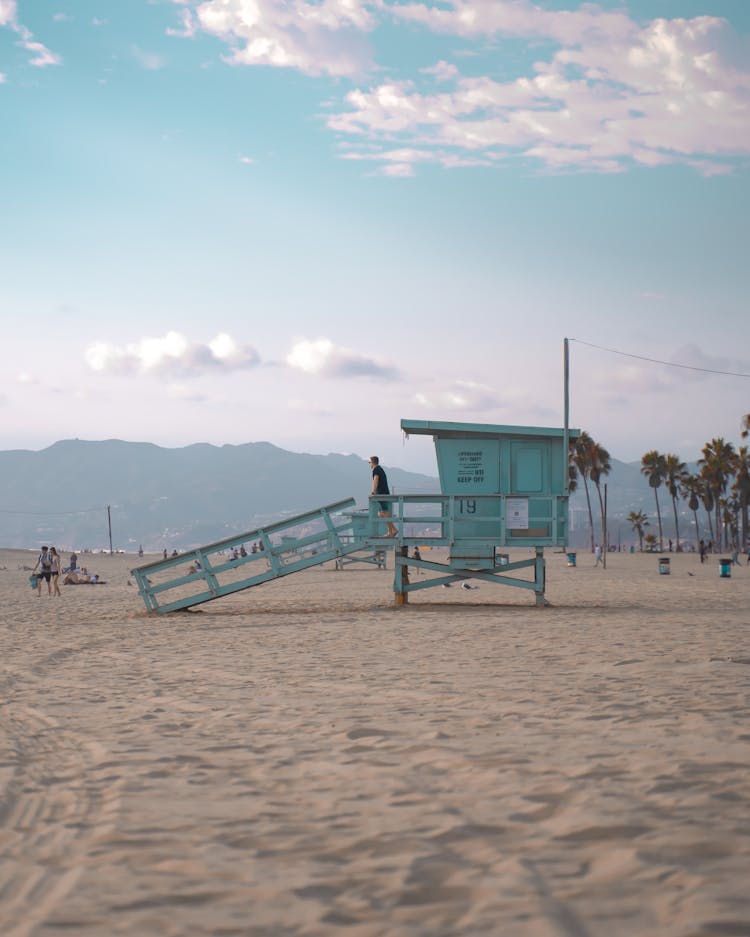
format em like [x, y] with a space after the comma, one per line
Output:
[230, 221]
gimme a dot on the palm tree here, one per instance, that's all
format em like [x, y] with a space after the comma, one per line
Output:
[707, 498]
[650, 542]
[717, 465]
[691, 489]
[599, 465]
[581, 461]
[652, 466]
[741, 486]
[674, 472]
[638, 521]
[730, 509]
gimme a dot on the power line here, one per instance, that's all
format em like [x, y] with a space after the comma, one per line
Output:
[669, 364]
[55, 513]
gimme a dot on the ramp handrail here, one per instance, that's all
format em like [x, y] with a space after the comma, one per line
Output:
[197, 569]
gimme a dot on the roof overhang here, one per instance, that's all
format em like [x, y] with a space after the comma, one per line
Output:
[474, 430]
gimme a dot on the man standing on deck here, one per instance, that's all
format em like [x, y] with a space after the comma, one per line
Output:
[380, 487]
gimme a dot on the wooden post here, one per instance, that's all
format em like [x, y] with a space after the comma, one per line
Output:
[540, 574]
[401, 578]
[605, 532]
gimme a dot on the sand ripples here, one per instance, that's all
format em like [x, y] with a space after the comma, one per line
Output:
[432, 770]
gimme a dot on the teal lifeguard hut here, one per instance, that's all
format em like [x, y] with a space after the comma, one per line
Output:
[500, 487]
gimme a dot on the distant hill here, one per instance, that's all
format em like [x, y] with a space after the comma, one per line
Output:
[185, 497]
[174, 498]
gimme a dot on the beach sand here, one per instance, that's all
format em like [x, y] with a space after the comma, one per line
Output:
[305, 758]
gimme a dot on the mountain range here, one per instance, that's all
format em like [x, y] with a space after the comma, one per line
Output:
[69, 493]
[170, 498]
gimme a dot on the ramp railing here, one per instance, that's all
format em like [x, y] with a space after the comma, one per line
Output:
[247, 559]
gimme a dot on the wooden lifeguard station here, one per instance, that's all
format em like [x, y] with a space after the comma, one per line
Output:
[500, 486]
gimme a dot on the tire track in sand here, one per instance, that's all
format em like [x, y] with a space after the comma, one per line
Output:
[56, 801]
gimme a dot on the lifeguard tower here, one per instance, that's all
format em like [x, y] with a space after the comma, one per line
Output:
[500, 487]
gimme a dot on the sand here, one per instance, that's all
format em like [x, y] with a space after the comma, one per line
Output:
[306, 759]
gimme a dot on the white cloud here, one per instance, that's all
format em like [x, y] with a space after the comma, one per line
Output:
[608, 92]
[691, 356]
[315, 38]
[517, 19]
[442, 71]
[624, 380]
[613, 95]
[7, 12]
[171, 354]
[328, 360]
[41, 55]
[150, 61]
[189, 26]
[459, 395]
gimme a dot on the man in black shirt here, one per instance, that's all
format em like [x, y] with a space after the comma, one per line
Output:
[380, 487]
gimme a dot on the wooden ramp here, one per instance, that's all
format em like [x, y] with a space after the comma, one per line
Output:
[248, 559]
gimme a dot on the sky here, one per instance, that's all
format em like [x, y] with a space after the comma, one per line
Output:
[241, 220]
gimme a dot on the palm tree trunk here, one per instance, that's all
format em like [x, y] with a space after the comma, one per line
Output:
[697, 532]
[658, 515]
[710, 527]
[719, 529]
[676, 523]
[601, 514]
[591, 516]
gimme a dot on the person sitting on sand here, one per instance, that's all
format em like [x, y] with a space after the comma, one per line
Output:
[83, 578]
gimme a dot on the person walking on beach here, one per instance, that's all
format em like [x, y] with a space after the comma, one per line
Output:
[417, 556]
[702, 550]
[54, 569]
[380, 487]
[44, 565]
[597, 554]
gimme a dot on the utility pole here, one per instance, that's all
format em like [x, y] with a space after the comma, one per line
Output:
[566, 424]
[109, 522]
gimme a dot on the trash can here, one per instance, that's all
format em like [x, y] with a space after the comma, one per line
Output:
[571, 559]
[664, 565]
[725, 567]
